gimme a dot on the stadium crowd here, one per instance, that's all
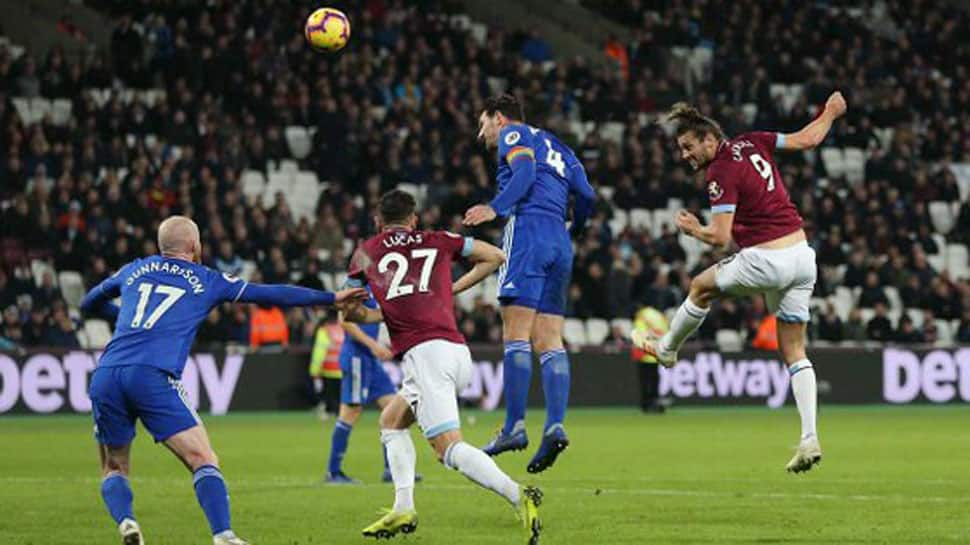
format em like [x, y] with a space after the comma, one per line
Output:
[400, 105]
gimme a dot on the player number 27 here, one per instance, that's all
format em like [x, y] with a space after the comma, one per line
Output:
[764, 169]
[401, 263]
[145, 289]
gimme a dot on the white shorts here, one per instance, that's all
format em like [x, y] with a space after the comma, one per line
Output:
[786, 277]
[435, 372]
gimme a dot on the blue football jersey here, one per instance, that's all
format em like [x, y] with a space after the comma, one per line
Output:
[163, 301]
[351, 346]
[555, 162]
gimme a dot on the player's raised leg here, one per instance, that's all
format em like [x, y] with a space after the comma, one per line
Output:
[192, 447]
[554, 361]
[517, 324]
[688, 318]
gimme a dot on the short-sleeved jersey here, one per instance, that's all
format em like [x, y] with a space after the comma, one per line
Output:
[550, 193]
[410, 275]
[744, 179]
[163, 301]
[352, 346]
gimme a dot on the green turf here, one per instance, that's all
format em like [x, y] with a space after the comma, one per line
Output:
[890, 475]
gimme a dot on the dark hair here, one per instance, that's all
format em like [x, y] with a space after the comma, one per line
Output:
[505, 103]
[396, 206]
[689, 119]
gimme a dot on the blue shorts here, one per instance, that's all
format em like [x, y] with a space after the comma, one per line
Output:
[119, 395]
[364, 379]
[539, 263]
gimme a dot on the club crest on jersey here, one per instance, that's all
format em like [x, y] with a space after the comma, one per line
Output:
[511, 138]
[714, 190]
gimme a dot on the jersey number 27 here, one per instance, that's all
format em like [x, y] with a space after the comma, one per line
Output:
[398, 288]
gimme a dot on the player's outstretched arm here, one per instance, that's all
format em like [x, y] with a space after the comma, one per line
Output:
[487, 259]
[282, 295]
[815, 132]
[97, 302]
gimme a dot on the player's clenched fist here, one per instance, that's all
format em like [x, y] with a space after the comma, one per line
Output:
[687, 222]
[350, 296]
[478, 214]
[836, 104]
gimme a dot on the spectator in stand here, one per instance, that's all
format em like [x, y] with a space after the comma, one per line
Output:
[830, 326]
[963, 329]
[879, 327]
[906, 332]
[61, 331]
[872, 293]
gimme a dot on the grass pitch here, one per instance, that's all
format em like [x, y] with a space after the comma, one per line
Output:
[892, 475]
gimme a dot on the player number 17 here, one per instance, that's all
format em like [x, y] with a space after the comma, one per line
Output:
[764, 169]
[172, 295]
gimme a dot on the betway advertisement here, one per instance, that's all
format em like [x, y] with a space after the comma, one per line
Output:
[216, 383]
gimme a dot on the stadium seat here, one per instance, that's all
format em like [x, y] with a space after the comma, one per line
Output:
[289, 166]
[944, 334]
[885, 136]
[490, 290]
[98, 333]
[574, 332]
[855, 165]
[942, 217]
[253, 184]
[23, 110]
[750, 112]
[16, 51]
[895, 301]
[956, 261]
[867, 315]
[278, 182]
[37, 270]
[606, 192]
[304, 195]
[479, 33]
[612, 131]
[328, 281]
[72, 287]
[641, 218]
[248, 268]
[938, 261]
[298, 140]
[662, 217]
[418, 191]
[916, 315]
[61, 111]
[466, 299]
[625, 325]
[597, 329]
[620, 221]
[728, 340]
[834, 161]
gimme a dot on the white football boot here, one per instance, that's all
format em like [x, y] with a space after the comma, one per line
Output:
[808, 454]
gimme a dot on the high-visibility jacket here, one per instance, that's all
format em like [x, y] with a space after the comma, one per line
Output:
[325, 359]
[268, 326]
[652, 320]
[617, 51]
[766, 337]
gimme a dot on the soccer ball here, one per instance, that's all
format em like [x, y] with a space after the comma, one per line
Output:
[327, 29]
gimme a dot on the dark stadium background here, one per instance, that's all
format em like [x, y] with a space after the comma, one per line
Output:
[114, 114]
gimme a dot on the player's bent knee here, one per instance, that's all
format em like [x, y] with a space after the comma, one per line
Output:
[350, 413]
[440, 443]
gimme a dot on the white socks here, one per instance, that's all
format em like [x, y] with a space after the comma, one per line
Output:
[806, 397]
[401, 459]
[482, 470]
[686, 321]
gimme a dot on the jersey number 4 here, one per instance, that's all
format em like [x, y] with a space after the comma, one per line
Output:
[764, 169]
[401, 263]
[554, 159]
[145, 289]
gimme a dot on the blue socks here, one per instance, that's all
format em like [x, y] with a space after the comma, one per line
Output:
[117, 496]
[213, 496]
[517, 373]
[338, 446]
[555, 385]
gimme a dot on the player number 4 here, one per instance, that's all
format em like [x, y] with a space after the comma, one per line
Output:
[764, 169]
[554, 159]
[172, 295]
[397, 287]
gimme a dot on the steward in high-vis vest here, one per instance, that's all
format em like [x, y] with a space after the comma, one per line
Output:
[325, 364]
[649, 319]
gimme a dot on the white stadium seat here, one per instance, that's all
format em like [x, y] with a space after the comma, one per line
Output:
[298, 140]
[729, 340]
[61, 111]
[72, 287]
[944, 334]
[253, 184]
[855, 165]
[662, 217]
[641, 218]
[895, 301]
[98, 333]
[624, 324]
[942, 217]
[574, 332]
[956, 261]
[916, 315]
[597, 329]
[37, 270]
[834, 161]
